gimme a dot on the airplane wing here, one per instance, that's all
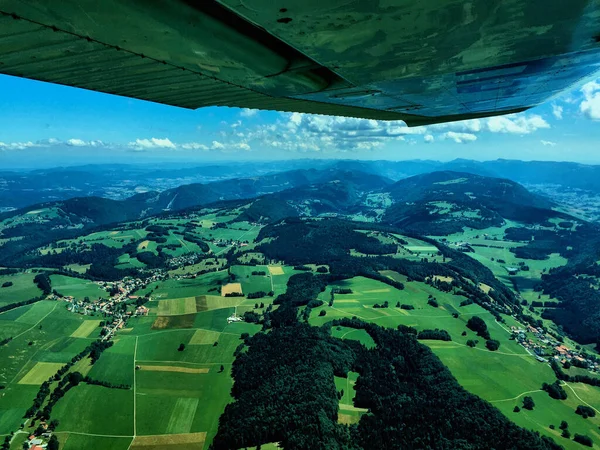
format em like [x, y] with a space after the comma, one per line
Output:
[418, 61]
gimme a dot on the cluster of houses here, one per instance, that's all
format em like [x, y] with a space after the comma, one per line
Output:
[185, 260]
[541, 346]
[111, 306]
[38, 443]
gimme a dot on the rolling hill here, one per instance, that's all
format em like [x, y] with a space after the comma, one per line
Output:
[444, 202]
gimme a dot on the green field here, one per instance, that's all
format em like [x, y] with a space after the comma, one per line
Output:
[84, 409]
[178, 393]
[480, 371]
[22, 288]
[77, 287]
[253, 283]
[209, 283]
[41, 344]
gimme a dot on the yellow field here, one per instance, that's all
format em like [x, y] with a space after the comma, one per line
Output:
[276, 270]
[173, 369]
[442, 278]
[231, 288]
[82, 366]
[484, 287]
[186, 440]
[40, 373]
[142, 245]
[177, 306]
[376, 291]
[204, 337]
[85, 329]
[348, 419]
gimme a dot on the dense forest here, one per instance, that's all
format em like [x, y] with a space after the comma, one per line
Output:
[284, 392]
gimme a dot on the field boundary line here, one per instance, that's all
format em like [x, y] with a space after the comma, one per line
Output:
[182, 362]
[36, 324]
[515, 398]
[134, 390]
[46, 346]
[579, 398]
[9, 310]
[186, 329]
[458, 344]
[92, 434]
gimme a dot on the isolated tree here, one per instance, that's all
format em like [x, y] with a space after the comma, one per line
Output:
[477, 324]
[528, 403]
[585, 411]
[563, 425]
[181, 347]
[322, 313]
[471, 343]
[75, 378]
[566, 434]
[492, 344]
[222, 368]
[516, 409]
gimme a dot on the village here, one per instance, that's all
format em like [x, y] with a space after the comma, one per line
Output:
[543, 346]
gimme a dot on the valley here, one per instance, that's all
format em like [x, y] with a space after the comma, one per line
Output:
[169, 316]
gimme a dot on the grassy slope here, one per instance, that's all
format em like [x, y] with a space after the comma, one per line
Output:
[501, 377]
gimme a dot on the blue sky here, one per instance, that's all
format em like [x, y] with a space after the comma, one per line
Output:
[46, 125]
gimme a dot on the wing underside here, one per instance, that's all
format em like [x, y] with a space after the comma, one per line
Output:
[420, 62]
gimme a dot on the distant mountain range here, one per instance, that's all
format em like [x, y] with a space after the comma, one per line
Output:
[19, 189]
[93, 210]
[437, 203]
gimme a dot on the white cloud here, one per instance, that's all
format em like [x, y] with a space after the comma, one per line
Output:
[247, 112]
[428, 138]
[216, 145]
[548, 143]
[557, 111]
[194, 146]
[516, 124]
[152, 143]
[590, 106]
[469, 126]
[460, 138]
[17, 145]
[76, 143]
[242, 146]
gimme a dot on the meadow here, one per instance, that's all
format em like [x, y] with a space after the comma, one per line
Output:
[77, 287]
[23, 288]
[479, 370]
[42, 341]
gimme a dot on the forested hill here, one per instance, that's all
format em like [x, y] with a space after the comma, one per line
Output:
[98, 211]
[441, 203]
[464, 187]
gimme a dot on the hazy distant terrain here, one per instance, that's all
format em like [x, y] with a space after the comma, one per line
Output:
[575, 185]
